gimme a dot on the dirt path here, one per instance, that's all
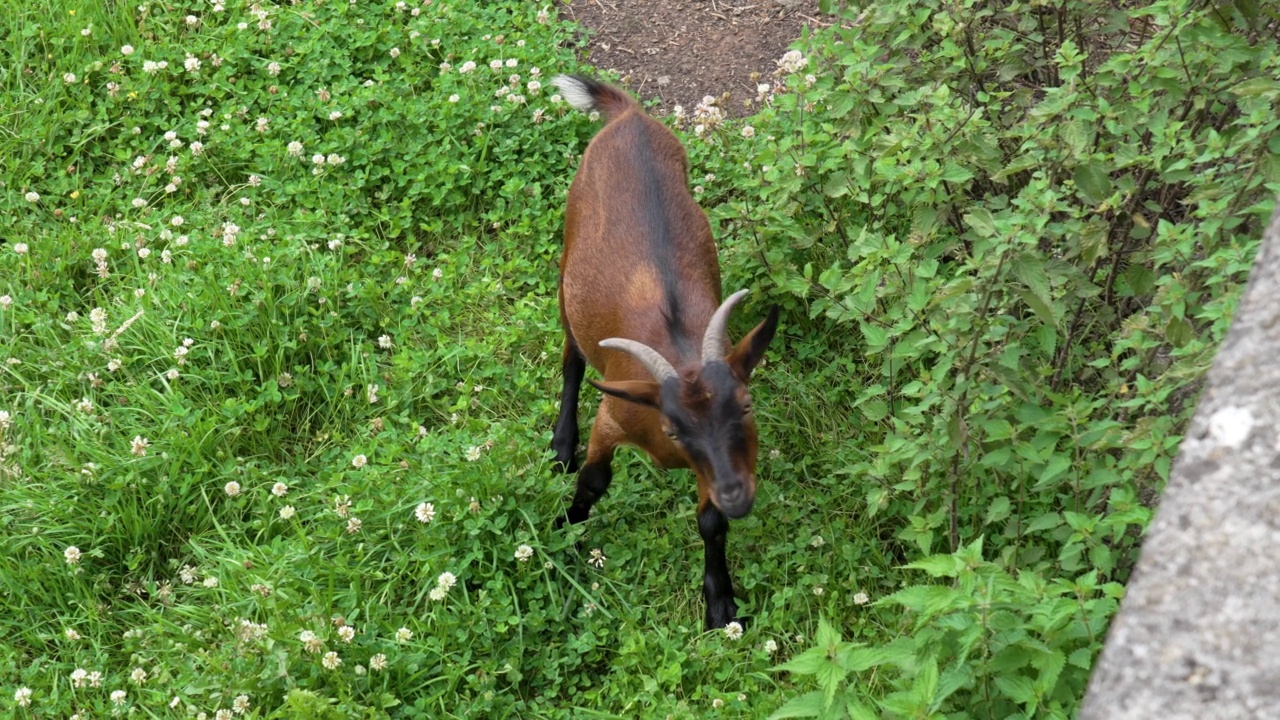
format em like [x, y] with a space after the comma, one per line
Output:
[678, 51]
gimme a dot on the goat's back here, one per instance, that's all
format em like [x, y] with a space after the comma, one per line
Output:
[639, 259]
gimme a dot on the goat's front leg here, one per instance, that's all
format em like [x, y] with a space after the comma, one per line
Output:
[564, 439]
[717, 586]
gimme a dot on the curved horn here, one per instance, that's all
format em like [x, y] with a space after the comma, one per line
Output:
[714, 339]
[657, 365]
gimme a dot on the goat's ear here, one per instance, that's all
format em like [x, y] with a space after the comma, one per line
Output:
[747, 353]
[643, 392]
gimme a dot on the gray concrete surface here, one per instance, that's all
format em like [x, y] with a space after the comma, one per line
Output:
[1198, 632]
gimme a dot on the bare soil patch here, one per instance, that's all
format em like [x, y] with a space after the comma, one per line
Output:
[678, 51]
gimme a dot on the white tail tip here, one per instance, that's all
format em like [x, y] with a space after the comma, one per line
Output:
[575, 92]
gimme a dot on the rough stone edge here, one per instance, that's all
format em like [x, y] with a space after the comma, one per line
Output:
[1198, 633]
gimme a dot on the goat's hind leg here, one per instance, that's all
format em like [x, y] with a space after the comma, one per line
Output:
[564, 438]
[597, 471]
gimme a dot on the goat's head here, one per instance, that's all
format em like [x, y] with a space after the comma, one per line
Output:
[707, 412]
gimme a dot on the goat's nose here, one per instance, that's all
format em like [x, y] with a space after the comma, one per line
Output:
[734, 501]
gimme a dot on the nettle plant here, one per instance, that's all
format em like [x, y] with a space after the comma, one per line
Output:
[1018, 234]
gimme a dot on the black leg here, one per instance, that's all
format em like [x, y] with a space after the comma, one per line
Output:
[717, 587]
[564, 439]
[593, 481]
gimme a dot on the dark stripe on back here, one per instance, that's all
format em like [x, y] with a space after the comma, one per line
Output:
[656, 200]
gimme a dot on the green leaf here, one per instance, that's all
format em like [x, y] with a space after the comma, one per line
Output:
[1018, 688]
[807, 705]
[998, 510]
[1258, 86]
[981, 221]
[877, 337]
[938, 565]
[929, 600]
[806, 663]
[1093, 182]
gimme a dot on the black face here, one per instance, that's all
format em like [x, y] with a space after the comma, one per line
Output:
[710, 422]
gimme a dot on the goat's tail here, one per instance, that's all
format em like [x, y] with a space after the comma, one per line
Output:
[584, 93]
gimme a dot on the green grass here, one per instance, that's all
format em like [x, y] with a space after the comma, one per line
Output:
[274, 388]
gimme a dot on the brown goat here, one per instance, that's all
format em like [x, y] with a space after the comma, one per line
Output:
[640, 301]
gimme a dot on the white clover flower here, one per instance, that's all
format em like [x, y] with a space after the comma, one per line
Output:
[818, 590]
[733, 630]
[210, 582]
[295, 148]
[425, 512]
[318, 159]
[495, 65]
[192, 20]
[310, 642]
[69, 78]
[597, 558]
[454, 98]
[286, 512]
[437, 593]
[126, 49]
[404, 635]
[378, 662]
[139, 445]
[331, 660]
[771, 646]
[446, 580]
[139, 202]
[72, 555]
[346, 633]
[861, 599]
[353, 526]
[523, 553]
[467, 67]
[279, 489]
[261, 124]
[359, 461]
[748, 131]
[335, 115]
[240, 705]
[32, 196]
[192, 64]
[394, 52]
[273, 69]
[512, 62]
[5, 301]
[817, 541]
[144, 253]
[138, 676]
[22, 697]
[197, 147]
[232, 488]
[118, 697]
[792, 61]
[79, 677]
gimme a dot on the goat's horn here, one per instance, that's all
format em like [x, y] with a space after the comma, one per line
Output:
[657, 365]
[713, 341]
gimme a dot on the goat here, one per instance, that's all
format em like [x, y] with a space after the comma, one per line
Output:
[640, 302]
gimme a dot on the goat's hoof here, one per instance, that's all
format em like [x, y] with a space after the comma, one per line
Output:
[721, 614]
